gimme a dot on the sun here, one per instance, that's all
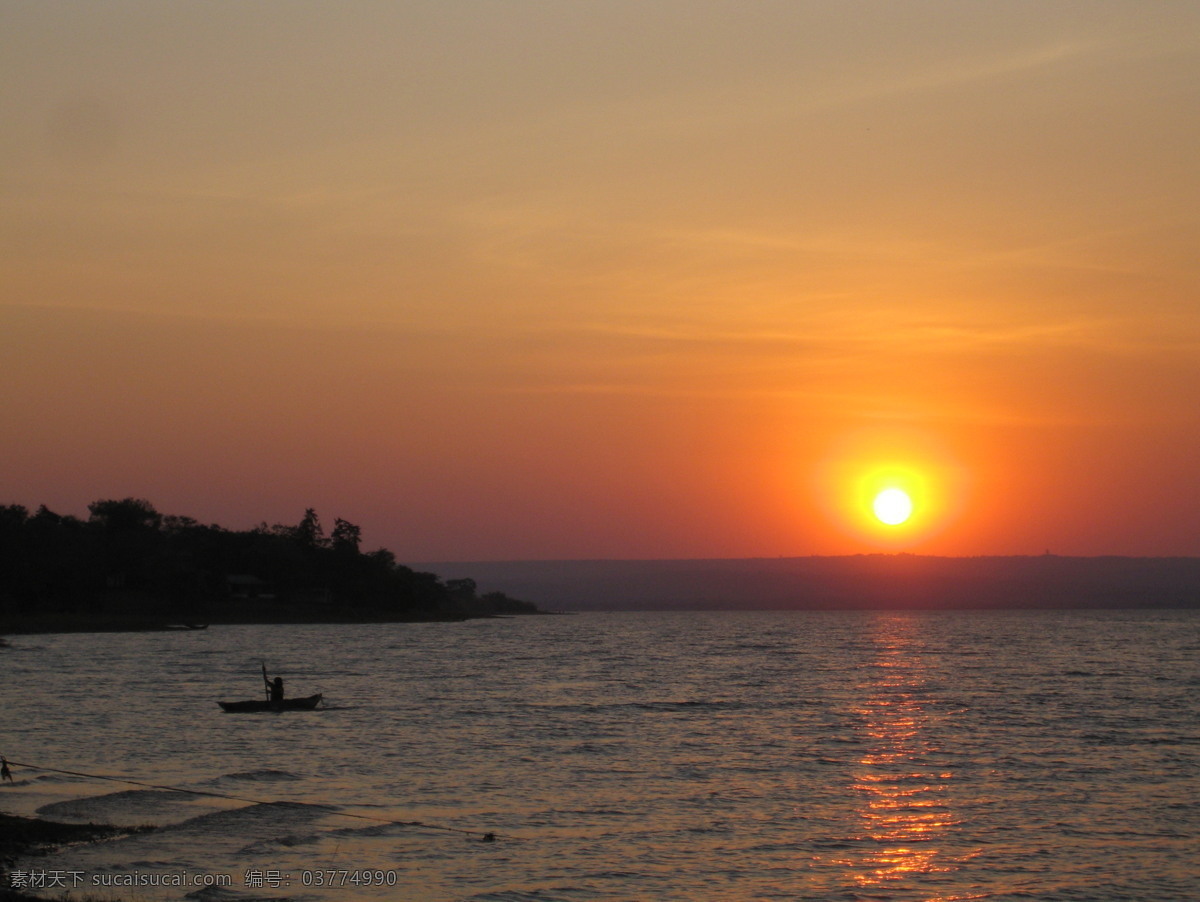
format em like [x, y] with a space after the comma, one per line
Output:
[892, 491]
[892, 506]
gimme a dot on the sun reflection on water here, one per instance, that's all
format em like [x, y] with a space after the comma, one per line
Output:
[903, 798]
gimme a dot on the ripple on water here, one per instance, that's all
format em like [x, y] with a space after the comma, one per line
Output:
[672, 757]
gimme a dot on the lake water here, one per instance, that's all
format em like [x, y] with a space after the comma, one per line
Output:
[715, 756]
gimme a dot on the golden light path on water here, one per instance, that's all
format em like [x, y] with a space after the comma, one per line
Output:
[674, 756]
[905, 802]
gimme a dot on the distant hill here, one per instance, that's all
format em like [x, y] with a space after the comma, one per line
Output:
[860, 582]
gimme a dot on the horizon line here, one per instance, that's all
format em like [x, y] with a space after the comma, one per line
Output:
[797, 557]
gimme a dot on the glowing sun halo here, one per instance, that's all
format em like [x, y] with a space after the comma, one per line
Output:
[892, 506]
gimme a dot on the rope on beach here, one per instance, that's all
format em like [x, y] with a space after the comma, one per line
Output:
[332, 809]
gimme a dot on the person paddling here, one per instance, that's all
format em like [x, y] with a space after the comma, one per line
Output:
[274, 688]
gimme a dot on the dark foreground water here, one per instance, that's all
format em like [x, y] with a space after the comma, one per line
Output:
[692, 757]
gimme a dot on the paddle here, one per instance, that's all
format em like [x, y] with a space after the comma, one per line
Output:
[266, 681]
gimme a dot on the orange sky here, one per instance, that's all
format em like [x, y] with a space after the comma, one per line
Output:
[624, 279]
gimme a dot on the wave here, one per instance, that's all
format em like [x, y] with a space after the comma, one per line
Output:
[670, 705]
[60, 778]
[224, 894]
[685, 705]
[382, 829]
[289, 841]
[259, 776]
[258, 816]
[128, 806]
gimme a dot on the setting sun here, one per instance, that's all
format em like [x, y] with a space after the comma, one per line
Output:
[892, 506]
[892, 490]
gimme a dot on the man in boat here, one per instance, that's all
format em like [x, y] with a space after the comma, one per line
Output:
[274, 687]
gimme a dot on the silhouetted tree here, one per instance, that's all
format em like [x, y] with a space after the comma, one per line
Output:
[62, 563]
[127, 514]
[173, 524]
[382, 558]
[499, 603]
[309, 533]
[461, 589]
[12, 518]
[14, 555]
[128, 559]
[346, 537]
[129, 540]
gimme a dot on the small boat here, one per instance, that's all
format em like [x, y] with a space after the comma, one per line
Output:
[288, 704]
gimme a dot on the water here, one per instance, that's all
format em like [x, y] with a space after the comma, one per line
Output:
[792, 756]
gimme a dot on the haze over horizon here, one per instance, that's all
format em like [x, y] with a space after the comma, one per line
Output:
[578, 281]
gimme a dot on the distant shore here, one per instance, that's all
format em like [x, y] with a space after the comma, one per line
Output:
[853, 582]
[129, 567]
[96, 623]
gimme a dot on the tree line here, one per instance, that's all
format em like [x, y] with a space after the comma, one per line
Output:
[127, 557]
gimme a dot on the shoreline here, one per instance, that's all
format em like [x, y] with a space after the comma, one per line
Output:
[31, 837]
[67, 623]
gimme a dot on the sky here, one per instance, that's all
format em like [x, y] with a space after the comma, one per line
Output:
[541, 279]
